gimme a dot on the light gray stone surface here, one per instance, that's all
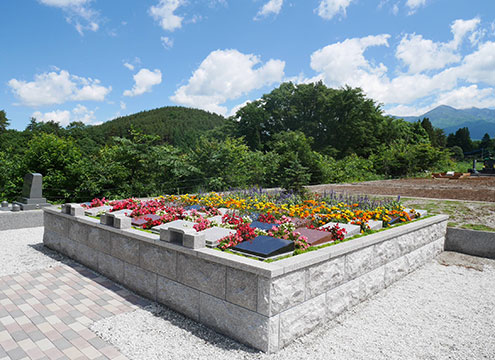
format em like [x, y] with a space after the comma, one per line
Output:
[125, 248]
[287, 291]
[139, 280]
[202, 275]
[175, 223]
[214, 234]
[325, 276]
[243, 325]
[375, 224]
[111, 267]
[97, 210]
[158, 260]
[99, 239]
[180, 297]
[242, 288]
[359, 262]
[350, 229]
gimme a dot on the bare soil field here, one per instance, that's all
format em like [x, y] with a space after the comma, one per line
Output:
[470, 188]
[470, 202]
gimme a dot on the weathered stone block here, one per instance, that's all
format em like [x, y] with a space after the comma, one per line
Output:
[202, 275]
[78, 232]
[324, 276]
[375, 224]
[158, 259]
[68, 247]
[359, 262]
[214, 234]
[242, 288]
[52, 240]
[86, 256]
[111, 267]
[416, 259]
[406, 243]
[264, 296]
[99, 239]
[122, 222]
[337, 301]
[301, 319]
[371, 283]
[237, 322]
[125, 248]
[350, 229]
[56, 224]
[385, 252]
[395, 270]
[179, 297]
[141, 281]
[287, 291]
[193, 240]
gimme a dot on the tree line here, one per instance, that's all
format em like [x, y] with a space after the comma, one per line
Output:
[293, 136]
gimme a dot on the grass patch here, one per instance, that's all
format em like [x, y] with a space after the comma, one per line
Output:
[477, 227]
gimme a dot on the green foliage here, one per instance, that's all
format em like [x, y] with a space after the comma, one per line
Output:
[174, 125]
[461, 138]
[457, 153]
[341, 122]
[402, 159]
[4, 122]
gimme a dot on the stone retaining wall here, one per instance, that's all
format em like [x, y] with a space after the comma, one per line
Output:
[264, 305]
[471, 242]
[10, 220]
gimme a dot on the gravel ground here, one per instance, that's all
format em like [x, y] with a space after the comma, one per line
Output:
[442, 311]
[22, 250]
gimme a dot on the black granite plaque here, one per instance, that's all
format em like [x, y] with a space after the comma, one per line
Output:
[265, 246]
[262, 226]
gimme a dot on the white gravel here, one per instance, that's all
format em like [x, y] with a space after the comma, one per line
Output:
[22, 250]
[437, 312]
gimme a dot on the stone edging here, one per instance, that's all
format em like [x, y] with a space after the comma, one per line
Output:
[471, 242]
[10, 220]
[264, 305]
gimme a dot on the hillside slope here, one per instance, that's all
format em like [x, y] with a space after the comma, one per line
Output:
[173, 124]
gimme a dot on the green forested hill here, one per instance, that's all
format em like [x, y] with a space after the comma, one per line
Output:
[173, 124]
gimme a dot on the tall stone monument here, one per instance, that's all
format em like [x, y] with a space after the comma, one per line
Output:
[32, 197]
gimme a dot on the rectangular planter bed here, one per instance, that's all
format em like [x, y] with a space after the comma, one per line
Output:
[264, 305]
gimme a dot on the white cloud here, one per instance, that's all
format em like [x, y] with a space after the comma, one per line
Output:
[420, 54]
[129, 66]
[438, 73]
[167, 42]
[467, 97]
[123, 105]
[56, 88]
[78, 13]
[423, 54]
[65, 117]
[415, 4]
[344, 62]
[163, 12]
[144, 80]
[226, 75]
[271, 7]
[330, 8]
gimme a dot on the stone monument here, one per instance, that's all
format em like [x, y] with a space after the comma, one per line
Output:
[32, 197]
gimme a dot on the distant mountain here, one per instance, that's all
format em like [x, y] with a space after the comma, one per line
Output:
[175, 125]
[479, 121]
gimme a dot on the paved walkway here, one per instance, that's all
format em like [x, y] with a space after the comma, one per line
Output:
[45, 314]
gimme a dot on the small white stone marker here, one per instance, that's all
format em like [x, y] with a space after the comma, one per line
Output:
[176, 223]
[350, 229]
[375, 224]
[96, 210]
[214, 234]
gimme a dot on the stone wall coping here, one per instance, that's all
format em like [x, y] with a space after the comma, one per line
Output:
[267, 270]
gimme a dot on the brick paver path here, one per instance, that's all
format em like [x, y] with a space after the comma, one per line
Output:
[46, 314]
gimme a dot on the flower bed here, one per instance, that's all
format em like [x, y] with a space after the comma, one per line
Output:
[280, 216]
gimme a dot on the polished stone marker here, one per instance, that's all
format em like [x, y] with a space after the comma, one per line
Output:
[315, 237]
[262, 226]
[176, 223]
[265, 246]
[32, 197]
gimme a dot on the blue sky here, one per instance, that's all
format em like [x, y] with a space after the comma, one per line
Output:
[94, 60]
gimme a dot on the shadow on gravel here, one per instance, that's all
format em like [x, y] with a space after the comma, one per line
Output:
[449, 258]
